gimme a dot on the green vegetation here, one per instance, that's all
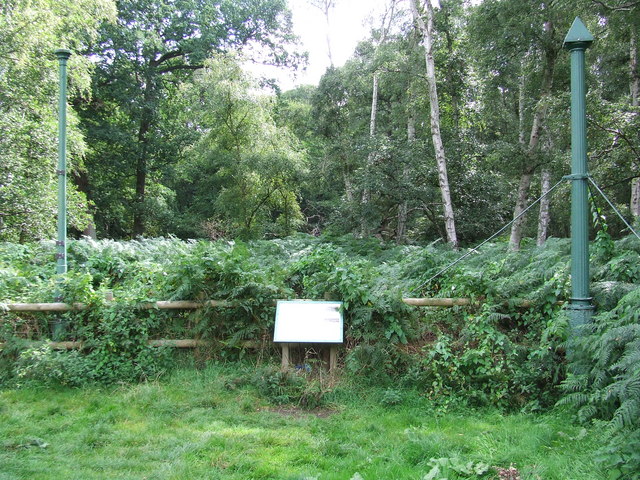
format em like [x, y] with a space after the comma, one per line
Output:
[495, 353]
[215, 423]
[298, 194]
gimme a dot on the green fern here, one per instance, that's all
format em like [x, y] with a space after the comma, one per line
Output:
[609, 353]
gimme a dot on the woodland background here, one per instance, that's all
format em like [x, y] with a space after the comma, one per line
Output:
[169, 136]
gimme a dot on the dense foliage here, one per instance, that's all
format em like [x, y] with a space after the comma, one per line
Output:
[498, 351]
[169, 137]
[29, 33]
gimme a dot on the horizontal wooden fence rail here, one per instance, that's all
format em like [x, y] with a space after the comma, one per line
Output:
[437, 302]
[461, 302]
[175, 343]
[192, 305]
[161, 305]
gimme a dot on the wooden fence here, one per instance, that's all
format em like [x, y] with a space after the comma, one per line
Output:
[192, 305]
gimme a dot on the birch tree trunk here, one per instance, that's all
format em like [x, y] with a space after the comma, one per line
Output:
[521, 101]
[426, 29]
[634, 87]
[544, 217]
[635, 197]
[401, 231]
[366, 193]
[348, 187]
[534, 139]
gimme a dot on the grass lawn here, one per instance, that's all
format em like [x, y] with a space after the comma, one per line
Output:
[197, 424]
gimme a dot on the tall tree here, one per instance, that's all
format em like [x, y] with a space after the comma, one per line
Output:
[403, 207]
[426, 28]
[242, 175]
[155, 45]
[634, 90]
[29, 33]
[550, 54]
[617, 113]
[518, 47]
[382, 34]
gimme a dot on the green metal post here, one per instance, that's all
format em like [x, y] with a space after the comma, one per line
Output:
[580, 307]
[61, 245]
[63, 55]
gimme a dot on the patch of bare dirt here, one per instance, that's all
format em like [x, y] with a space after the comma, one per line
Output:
[510, 473]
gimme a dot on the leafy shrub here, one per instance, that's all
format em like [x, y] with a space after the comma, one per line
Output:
[378, 363]
[43, 365]
[453, 467]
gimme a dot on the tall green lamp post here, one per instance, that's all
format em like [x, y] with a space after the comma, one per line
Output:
[580, 307]
[61, 244]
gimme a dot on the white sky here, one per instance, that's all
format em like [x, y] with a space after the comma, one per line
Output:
[350, 22]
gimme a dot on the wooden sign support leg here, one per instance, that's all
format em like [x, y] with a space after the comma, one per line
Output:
[333, 358]
[285, 356]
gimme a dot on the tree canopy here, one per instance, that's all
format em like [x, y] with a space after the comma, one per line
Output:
[168, 135]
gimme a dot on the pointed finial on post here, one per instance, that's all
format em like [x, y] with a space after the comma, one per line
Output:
[578, 36]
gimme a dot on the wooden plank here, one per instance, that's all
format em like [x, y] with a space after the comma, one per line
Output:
[179, 343]
[65, 307]
[437, 302]
[453, 302]
[66, 345]
[44, 307]
[190, 305]
[333, 358]
[185, 304]
[163, 342]
[285, 356]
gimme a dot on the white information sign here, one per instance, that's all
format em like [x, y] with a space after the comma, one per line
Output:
[306, 321]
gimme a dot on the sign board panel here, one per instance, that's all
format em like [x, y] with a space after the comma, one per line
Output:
[306, 321]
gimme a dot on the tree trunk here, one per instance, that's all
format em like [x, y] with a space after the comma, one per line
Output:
[427, 33]
[401, 230]
[521, 204]
[521, 100]
[366, 194]
[634, 85]
[544, 216]
[534, 139]
[325, 6]
[328, 24]
[348, 187]
[635, 197]
[146, 119]
[81, 179]
[374, 106]
[141, 180]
